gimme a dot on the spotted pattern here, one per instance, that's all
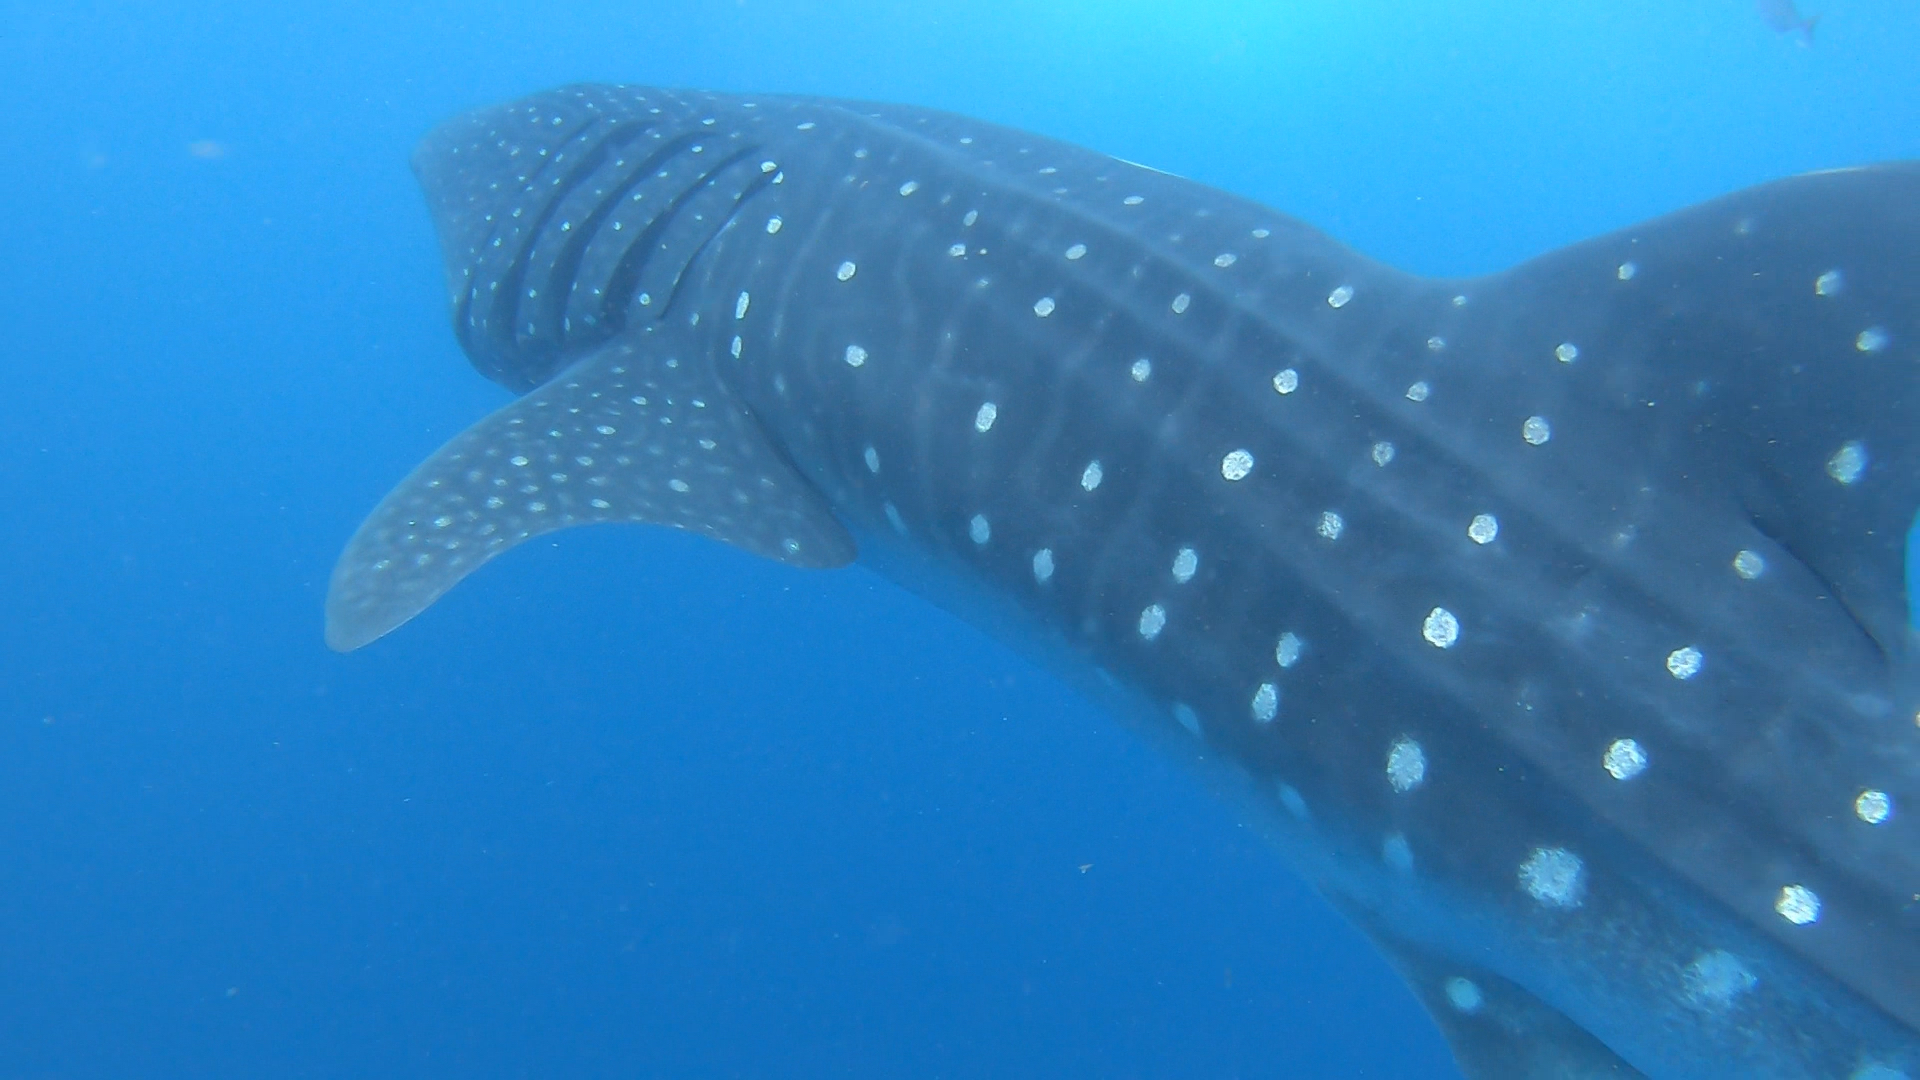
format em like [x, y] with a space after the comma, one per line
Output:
[1314, 449]
[563, 456]
[1043, 565]
[1873, 806]
[1288, 650]
[1849, 462]
[1798, 905]
[1463, 994]
[1153, 619]
[1624, 759]
[1714, 980]
[1185, 562]
[1397, 853]
[1266, 703]
[1556, 877]
[1406, 765]
[1684, 663]
[1091, 476]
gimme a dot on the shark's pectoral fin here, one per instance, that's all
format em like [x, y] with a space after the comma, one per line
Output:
[1496, 1029]
[622, 435]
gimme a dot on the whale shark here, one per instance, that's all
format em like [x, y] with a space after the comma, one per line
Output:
[1557, 624]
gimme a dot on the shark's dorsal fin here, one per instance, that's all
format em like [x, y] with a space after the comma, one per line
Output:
[629, 433]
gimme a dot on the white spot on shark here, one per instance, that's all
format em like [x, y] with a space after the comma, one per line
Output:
[1397, 853]
[1266, 703]
[1287, 652]
[1185, 562]
[1153, 619]
[1406, 764]
[1848, 462]
[1555, 877]
[1798, 905]
[1624, 759]
[1463, 994]
[1873, 806]
[1090, 477]
[1684, 663]
[1713, 980]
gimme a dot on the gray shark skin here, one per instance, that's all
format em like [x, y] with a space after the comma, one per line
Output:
[1553, 622]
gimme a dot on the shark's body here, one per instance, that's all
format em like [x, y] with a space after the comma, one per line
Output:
[1553, 623]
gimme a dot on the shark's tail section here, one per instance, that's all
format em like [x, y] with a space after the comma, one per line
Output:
[626, 434]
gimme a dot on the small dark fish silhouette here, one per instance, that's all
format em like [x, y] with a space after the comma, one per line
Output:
[1784, 18]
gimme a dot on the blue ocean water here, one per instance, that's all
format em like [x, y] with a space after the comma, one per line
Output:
[629, 804]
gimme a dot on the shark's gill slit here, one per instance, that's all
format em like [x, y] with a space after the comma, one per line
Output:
[623, 284]
[758, 183]
[563, 274]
